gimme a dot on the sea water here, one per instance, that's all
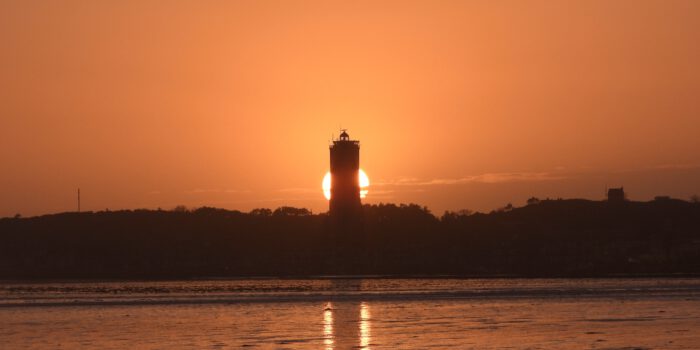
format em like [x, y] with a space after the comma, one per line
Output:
[371, 313]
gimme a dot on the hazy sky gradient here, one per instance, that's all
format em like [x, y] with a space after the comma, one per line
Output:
[463, 104]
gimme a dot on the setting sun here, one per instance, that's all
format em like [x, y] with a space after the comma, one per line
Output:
[364, 185]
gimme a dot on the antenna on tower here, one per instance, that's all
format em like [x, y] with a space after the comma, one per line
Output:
[605, 192]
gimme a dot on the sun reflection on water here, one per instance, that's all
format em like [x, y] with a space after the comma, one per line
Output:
[365, 326]
[328, 327]
[339, 326]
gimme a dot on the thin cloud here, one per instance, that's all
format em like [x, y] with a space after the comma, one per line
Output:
[214, 190]
[237, 191]
[659, 167]
[487, 178]
[678, 166]
[301, 190]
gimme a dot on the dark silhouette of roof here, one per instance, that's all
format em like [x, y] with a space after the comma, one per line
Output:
[616, 194]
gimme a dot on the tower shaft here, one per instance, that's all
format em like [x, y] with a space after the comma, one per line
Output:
[345, 170]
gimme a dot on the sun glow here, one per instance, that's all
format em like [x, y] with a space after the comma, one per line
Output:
[364, 185]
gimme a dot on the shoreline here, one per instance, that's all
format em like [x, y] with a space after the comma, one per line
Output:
[678, 275]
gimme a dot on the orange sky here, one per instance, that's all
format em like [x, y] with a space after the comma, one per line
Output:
[463, 104]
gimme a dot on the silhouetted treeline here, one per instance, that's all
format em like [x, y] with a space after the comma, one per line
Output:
[544, 238]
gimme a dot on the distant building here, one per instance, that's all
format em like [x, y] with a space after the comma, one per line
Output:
[345, 183]
[616, 195]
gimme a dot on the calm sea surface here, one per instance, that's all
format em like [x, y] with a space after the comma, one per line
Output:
[353, 314]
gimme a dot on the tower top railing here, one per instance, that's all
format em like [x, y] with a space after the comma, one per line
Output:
[343, 138]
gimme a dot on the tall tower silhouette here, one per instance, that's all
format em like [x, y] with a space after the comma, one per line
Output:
[345, 184]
